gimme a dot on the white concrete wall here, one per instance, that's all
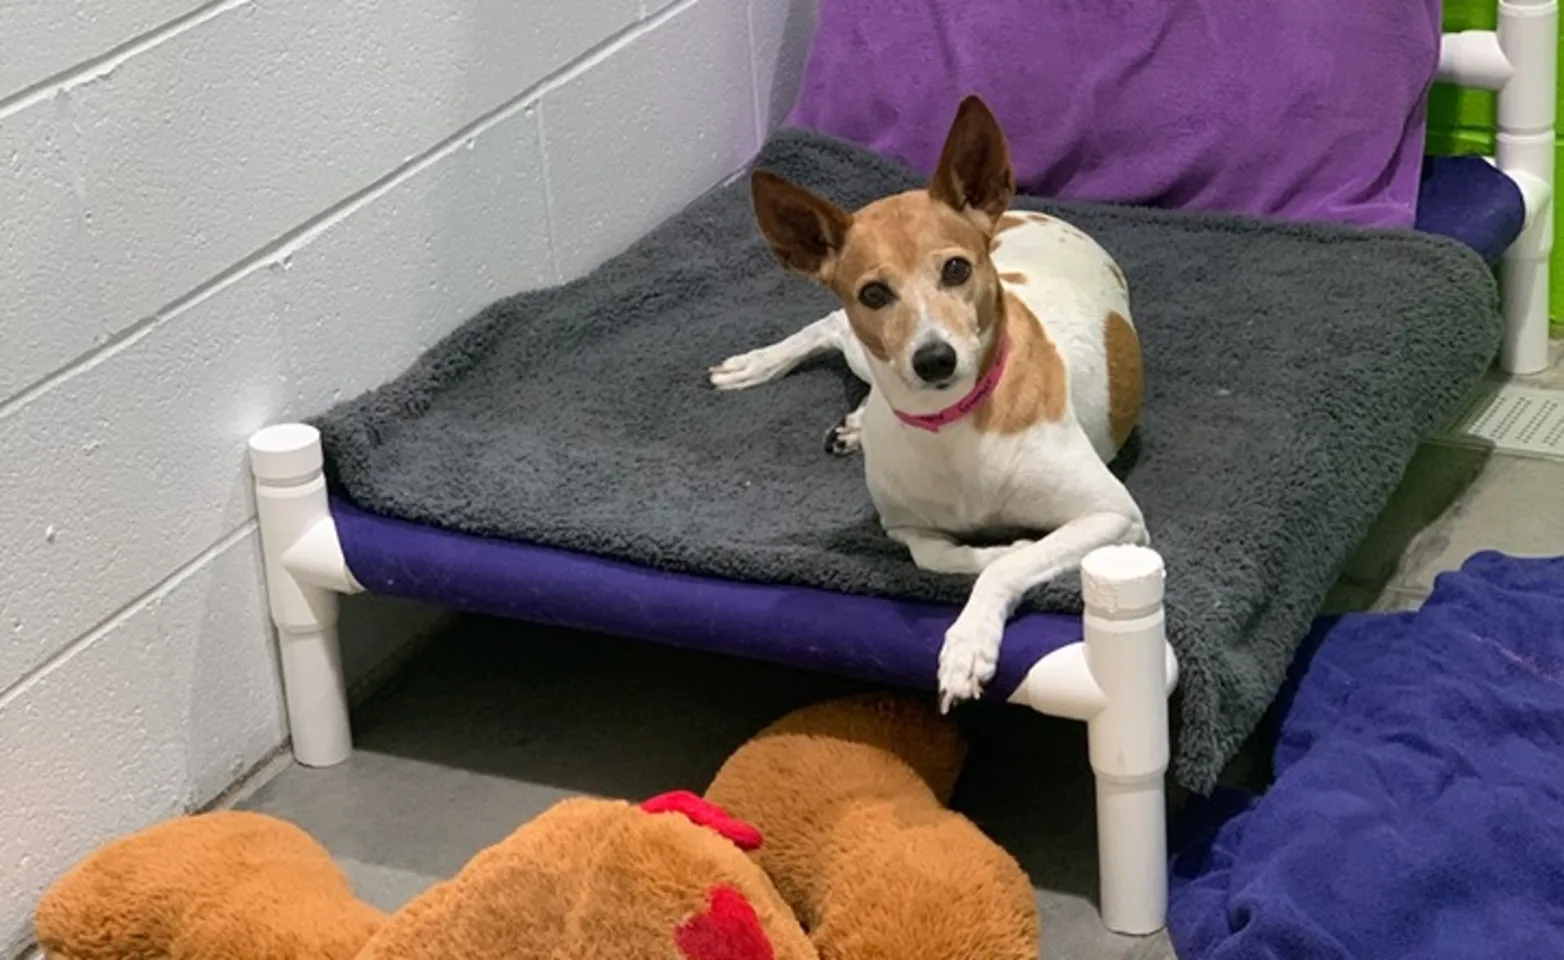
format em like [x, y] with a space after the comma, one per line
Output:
[221, 215]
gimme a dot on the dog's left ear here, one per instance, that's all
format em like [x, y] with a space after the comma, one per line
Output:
[974, 175]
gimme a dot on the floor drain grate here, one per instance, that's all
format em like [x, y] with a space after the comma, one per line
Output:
[1517, 419]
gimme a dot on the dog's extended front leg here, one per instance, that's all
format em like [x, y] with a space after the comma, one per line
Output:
[941, 553]
[768, 363]
[971, 651]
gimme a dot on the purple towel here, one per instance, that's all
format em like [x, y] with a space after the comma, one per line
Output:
[1418, 808]
[1303, 110]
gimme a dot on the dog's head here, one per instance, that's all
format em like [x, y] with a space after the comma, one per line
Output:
[913, 270]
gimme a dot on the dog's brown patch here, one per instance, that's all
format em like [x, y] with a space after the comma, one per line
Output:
[1118, 275]
[877, 337]
[1009, 222]
[1013, 277]
[1125, 376]
[897, 241]
[1035, 387]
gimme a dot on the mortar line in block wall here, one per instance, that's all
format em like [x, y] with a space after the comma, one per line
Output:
[278, 251]
[104, 64]
[153, 594]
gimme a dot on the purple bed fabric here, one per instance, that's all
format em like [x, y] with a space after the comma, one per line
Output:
[1296, 110]
[873, 639]
[1469, 200]
[1418, 805]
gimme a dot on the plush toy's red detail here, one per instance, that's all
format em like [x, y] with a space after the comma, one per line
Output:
[728, 930]
[706, 814]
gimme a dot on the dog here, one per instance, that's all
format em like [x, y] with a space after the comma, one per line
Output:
[1004, 368]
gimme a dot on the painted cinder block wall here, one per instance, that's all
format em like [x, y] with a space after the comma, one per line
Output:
[222, 214]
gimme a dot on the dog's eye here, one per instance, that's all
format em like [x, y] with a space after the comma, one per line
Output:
[955, 272]
[875, 295]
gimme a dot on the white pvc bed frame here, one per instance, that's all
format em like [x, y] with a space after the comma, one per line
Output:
[1519, 61]
[1118, 680]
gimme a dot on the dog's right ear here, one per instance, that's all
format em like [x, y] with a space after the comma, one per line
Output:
[805, 231]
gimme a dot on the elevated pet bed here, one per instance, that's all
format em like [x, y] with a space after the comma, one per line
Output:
[1417, 809]
[559, 459]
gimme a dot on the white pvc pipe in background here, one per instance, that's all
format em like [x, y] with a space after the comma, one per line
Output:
[1473, 58]
[1527, 116]
[305, 572]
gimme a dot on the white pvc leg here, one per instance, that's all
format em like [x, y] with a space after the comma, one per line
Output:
[1126, 653]
[1527, 113]
[304, 573]
[1524, 284]
[1132, 850]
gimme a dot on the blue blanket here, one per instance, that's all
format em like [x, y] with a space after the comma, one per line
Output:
[1418, 807]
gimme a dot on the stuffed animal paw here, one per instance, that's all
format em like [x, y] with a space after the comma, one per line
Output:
[227, 885]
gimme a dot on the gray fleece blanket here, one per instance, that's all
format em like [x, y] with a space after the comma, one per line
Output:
[1291, 371]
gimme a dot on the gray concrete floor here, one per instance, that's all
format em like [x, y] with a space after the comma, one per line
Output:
[494, 721]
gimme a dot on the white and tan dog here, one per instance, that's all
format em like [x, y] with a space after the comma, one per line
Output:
[1004, 371]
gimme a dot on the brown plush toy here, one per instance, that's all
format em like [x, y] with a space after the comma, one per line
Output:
[218, 886]
[668, 880]
[851, 796]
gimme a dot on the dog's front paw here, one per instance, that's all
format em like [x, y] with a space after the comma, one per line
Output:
[846, 437]
[748, 369]
[968, 659]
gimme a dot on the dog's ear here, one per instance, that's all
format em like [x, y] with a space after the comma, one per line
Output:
[806, 232]
[974, 175]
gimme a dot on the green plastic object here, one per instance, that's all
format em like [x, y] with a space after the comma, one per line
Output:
[1462, 121]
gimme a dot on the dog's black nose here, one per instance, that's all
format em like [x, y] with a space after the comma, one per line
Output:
[934, 362]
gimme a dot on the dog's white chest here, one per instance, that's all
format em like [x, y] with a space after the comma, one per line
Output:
[960, 480]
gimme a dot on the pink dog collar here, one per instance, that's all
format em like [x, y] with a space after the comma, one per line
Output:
[979, 392]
